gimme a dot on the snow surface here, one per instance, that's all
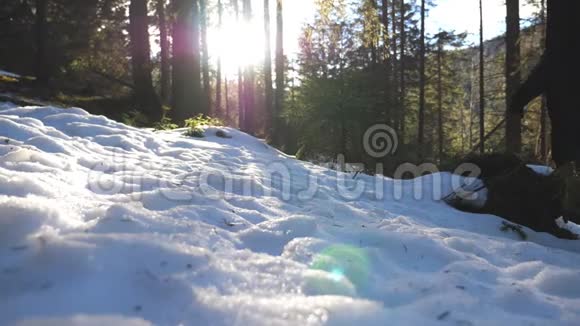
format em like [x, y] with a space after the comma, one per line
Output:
[541, 169]
[105, 224]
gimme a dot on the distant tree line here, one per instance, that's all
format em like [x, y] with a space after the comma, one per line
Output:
[361, 62]
[102, 47]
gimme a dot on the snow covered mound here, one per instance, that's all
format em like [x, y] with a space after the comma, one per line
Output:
[101, 223]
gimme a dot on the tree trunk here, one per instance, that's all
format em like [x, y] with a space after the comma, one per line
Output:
[218, 84]
[544, 108]
[403, 94]
[186, 61]
[40, 27]
[227, 99]
[388, 63]
[421, 121]
[394, 62]
[268, 90]
[140, 60]
[481, 82]
[280, 70]
[164, 44]
[241, 103]
[249, 82]
[513, 75]
[205, 58]
[440, 134]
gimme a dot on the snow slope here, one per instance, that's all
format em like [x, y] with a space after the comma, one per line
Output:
[101, 223]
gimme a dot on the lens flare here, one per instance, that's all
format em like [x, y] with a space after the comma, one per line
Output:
[344, 262]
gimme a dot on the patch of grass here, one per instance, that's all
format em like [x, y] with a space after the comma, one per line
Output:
[196, 125]
[165, 124]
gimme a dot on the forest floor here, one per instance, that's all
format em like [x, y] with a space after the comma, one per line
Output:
[102, 223]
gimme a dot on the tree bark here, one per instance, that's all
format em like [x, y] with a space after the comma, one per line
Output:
[394, 63]
[280, 73]
[186, 61]
[41, 34]
[544, 107]
[227, 99]
[165, 78]
[268, 88]
[421, 118]
[207, 102]
[218, 84]
[241, 104]
[440, 134]
[513, 75]
[481, 82]
[403, 94]
[144, 92]
[387, 60]
[249, 82]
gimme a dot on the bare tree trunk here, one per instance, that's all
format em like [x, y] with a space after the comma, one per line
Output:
[280, 80]
[140, 60]
[481, 82]
[41, 34]
[218, 84]
[440, 133]
[421, 121]
[388, 63]
[227, 99]
[241, 103]
[374, 41]
[205, 58]
[249, 82]
[268, 88]
[513, 75]
[164, 44]
[403, 94]
[544, 108]
[394, 46]
[186, 61]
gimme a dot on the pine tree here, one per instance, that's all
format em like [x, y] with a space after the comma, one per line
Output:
[241, 103]
[481, 82]
[204, 21]
[249, 124]
[544, 107]
[280, 81]
[513, 75]
[140, 60]
[164, 81]
[218, 85]
[186, 61]
[421, 119]
[41, 32]
[440, 133]
[268, 90]
[402, 72]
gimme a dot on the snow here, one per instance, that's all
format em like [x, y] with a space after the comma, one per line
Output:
[101, 223]
[541, 169]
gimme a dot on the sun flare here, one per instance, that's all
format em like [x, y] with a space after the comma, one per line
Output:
[237, 44]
